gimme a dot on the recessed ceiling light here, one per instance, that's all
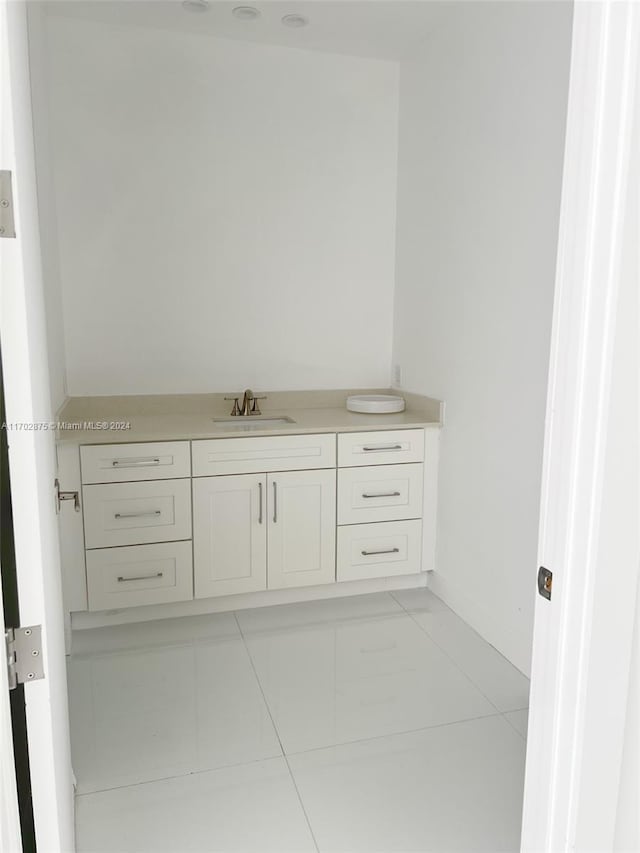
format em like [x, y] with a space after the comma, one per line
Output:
[246, 13]
[196, 5]
[295, 21]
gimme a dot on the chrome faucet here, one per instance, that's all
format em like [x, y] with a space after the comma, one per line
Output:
[249, 404]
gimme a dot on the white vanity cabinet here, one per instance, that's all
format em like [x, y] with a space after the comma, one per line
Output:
[174, 523]
[263, 530]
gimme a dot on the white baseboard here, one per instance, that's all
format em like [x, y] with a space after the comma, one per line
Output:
[83, 619]
[511, 641]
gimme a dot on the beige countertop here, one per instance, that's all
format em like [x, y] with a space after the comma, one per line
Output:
[111, 420]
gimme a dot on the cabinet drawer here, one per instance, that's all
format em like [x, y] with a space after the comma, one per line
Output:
[380, 493]
[119, 463]
[379, 550]
[258, 455]
[136, 513]
[383, 447]
[142, 574]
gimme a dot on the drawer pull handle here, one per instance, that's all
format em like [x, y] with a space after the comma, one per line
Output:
[375, 553]
[134, 463]
[380, 447]
[153, 514]
[381, 494]
[140, 577]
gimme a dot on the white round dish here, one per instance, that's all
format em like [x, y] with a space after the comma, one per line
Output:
[375, 404]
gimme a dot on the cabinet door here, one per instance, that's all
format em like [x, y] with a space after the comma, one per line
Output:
[229, 535]
[302, 528]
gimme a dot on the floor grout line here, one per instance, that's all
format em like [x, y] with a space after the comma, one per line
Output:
[443, 609]
[455, 663]
[302, 805]
[287, 755]
[259, 683]
[496, 713]
[295, 754]
[200, 771]
[411, 615]
[447, 609]
[516, 730]
[394, 734]
[275, 728]
[346, 620]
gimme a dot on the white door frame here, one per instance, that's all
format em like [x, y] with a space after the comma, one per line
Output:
[10, 832]
[589, 502]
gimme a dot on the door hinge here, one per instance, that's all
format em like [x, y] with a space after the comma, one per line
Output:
[24, 654]
[7, 221]
[66, 496]
[545, 580]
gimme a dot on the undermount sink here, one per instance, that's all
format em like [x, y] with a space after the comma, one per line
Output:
[251, 422]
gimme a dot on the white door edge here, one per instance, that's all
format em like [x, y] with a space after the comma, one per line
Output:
[10, 834]
[577, 701]
[32, 450]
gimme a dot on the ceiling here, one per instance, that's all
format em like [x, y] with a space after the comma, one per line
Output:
[381, 29]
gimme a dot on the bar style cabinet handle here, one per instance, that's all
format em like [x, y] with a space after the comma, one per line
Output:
[134, 463]
[260, 510]
[375, 553]
[380, 447]
[381, 494]
[140, 577]
[275, 502]
[153, 513]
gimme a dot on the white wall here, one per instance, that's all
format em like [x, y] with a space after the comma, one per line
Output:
[46, 205]
[225, 212]
[482, 119]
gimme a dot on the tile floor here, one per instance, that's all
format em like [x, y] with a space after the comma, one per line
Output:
[378, 723]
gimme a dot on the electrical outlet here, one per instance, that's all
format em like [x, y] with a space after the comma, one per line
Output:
[396, 377]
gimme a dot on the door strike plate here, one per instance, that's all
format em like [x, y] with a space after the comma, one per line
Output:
[545, 579]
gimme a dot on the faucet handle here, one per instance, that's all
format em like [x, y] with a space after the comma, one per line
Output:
[255, 408]
[236, 408]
